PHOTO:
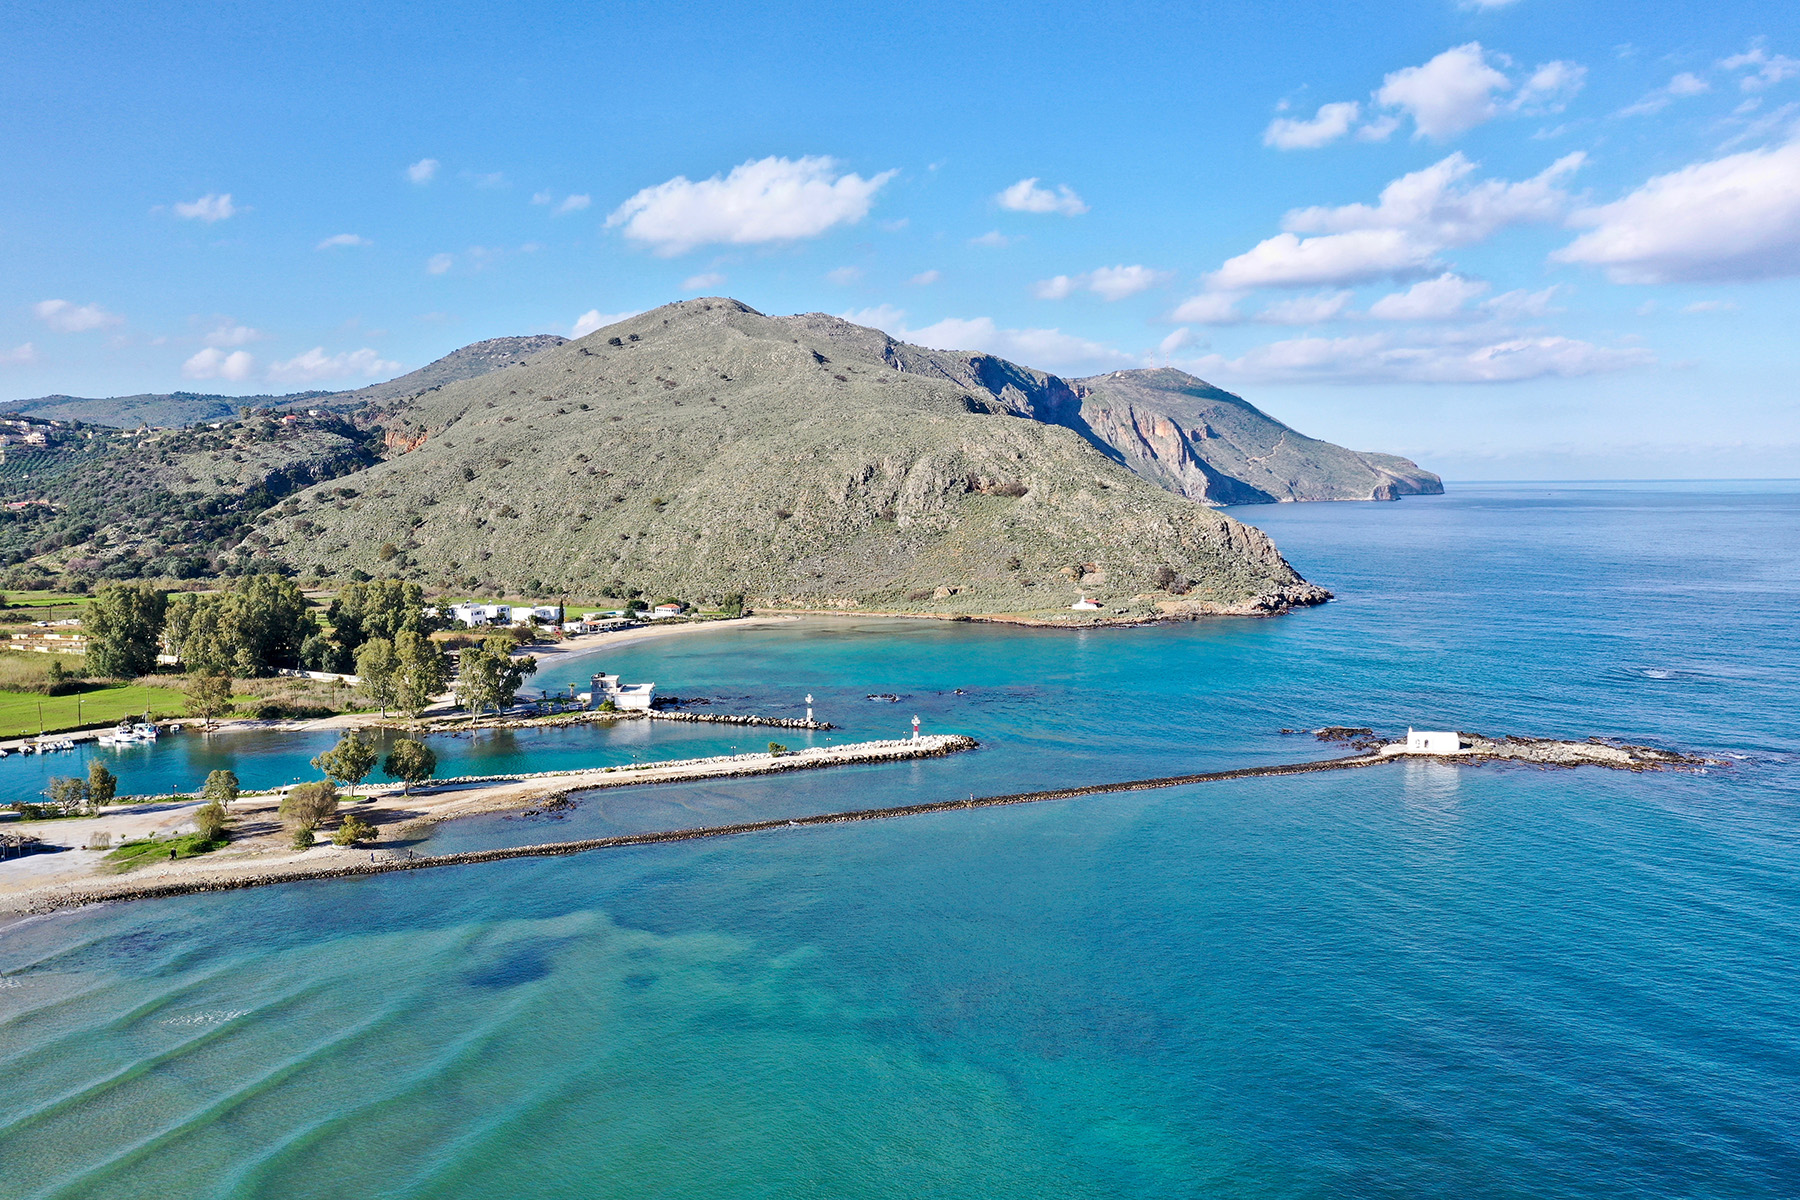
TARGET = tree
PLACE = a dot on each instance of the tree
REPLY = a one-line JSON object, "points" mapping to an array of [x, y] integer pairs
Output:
{"points": [[303, 837], [354, 829], [123, 624], [209, 695], [210, 820], [776, 749], [411, 762], [380, 608], [423, 672], [379, 669], [490, 677], [733, 605], [102, 784], [221, 788], [309, 804], [68, 793], [255, 627], [350, 761]]}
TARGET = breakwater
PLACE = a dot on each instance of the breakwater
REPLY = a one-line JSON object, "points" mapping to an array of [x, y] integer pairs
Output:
{"points": [[592, 715], [300, 871]]}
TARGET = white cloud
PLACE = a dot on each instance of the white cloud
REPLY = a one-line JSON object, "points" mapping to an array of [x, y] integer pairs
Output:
{"points": [[437, 264], [702, 281], [843, 276], [1681, 86], [1027, 196], [1520, 305], [1549, 88], [214, 206], [1707, 306], [594, 319], [423, 171], [1330, 123], [1286, 260], [573, 204], [212, 363], [992, 238], [1418, 216], [1484, 5], [315, 365], [230, 333], [884, 317], [343, 239], [1046, 348], [1108, 283], [1451, 94], [19, 356], [1437, 299], [543, 198], [1767, 69], [65, 317], [1732, 218], [1306, 310], [493, 179], [1384, 358], [1208, 308], [767, 200], [926, 278], [1174, 342]]}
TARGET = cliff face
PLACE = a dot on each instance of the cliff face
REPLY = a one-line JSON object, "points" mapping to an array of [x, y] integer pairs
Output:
{"points": [[705, 449], [1212, 446]]}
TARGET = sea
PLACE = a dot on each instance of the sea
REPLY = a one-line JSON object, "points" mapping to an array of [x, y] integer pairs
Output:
{"points": [[1416, 980]]}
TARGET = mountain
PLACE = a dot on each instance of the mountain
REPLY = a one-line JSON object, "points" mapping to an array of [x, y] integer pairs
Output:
{"points": [[1212, 446], [173, 409], [705, 449]]}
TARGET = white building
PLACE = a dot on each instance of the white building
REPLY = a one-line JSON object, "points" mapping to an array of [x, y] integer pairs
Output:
{"points": [[474, 615], [665, 610], [1421, 741], [1085, 605], [629, 696]]}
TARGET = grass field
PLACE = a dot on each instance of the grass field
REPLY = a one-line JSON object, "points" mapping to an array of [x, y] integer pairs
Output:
{"points": [[133, 854], [19, 712]]}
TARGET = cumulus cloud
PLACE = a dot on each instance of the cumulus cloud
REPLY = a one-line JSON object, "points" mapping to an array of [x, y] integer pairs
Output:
{"points": [[214, 206], [843, 276], [1680, 87], [1027, 196], [437, 264], [570, 204], [1385, 358], [19, 356], [992, 238], [1418, 215], [1108, 283], [65, 317], [1707, 306], [1733, 218], [1306, 310], [594, 319], [1762, 69], [767, 200], [926, 278], [884, 317], [1437, 299], [1049, 348], [343, 239], [1449, 95], [230, 333], [702, 281], [423, 171], [1521, 304], [1330, 123], [1208, 308], [315, 365], [213, 363]]}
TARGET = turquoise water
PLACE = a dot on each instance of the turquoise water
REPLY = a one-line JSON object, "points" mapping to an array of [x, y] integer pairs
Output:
{"points": [[1412, 981]]}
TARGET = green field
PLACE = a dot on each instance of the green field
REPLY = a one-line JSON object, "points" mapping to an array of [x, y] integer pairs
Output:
{"points": [[133, 854], [19, 711]]}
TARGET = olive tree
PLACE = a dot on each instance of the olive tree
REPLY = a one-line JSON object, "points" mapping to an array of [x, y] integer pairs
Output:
{"points": [[411, 762], [350, 761]]}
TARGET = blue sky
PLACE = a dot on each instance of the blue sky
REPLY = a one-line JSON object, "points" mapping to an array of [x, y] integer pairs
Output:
{"points": [[1511, 240]]}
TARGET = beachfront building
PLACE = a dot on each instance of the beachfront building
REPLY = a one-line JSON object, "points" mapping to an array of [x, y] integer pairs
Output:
{"points": [[475, 615], [628, 696], [665, 610], [1085, 605], [1422, 741]]}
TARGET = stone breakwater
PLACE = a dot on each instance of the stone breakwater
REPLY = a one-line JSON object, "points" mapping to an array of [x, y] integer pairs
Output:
{"points": [[587, 716]]}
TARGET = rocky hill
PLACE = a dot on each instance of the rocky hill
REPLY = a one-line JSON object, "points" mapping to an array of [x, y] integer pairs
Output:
{"points": [[1218, 448], [174, 409], [704, 449]]}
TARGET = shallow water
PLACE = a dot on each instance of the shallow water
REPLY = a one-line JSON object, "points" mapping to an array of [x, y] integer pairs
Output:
{"points": [[1417, 980]]}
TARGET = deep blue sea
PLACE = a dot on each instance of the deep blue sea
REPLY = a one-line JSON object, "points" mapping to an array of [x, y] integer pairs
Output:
{"points": [[1410, 981]]}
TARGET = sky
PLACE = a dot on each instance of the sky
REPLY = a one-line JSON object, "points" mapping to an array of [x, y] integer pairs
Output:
{"points": [[1510, 239]]}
